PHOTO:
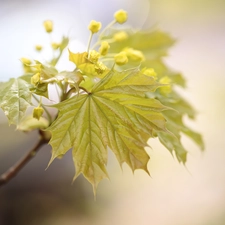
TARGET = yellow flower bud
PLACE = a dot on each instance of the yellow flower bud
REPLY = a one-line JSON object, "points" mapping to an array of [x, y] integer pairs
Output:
{"points": [[134, 55], [94, 26], [48, 25], [120, 36], [35, 79], [26, 61], [150, 72], [121, 58], [55, 45], [38, 112], [94, 56], [120, 16], [100, 67], [166, 89], [104, 48], [38, 47]]}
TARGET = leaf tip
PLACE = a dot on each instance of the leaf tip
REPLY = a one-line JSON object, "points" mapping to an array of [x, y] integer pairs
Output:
{"points": [[75, 177], [50, 161]]}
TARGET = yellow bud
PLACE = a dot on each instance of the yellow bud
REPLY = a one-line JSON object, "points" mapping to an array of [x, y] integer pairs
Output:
{"points": [[120, 16], [104, 48], [48, 25], [55, 45], [38, 47], [94, 56], [166, 89], [150, 72], [121, 58], [94, 26], [134, 55], [120, 36], [165, 80], [35, 79], [38, 112], [26, 61], [37, 67], [100, 67]]}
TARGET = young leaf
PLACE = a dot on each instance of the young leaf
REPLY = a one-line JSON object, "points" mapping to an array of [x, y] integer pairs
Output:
{"points": [[162, 70], [29, 123], [40, 89], [64, 43], [78, 58], [47, 72], [172, 141], [62, 46], [115, 114], [15, 97], [153, 43]]}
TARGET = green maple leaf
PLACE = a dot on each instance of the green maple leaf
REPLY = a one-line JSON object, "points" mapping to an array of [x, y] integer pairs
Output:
{"points": [[153, 43], [162, 70], [15, 97], [114, 114], [176, 125]]}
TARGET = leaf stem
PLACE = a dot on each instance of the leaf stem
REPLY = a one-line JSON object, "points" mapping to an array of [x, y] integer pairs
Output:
{"points": [[55, 60], [13, 170], [113, 66], [84, 89], [89, 42], [107, 59], [99, 42], [107, 27], [67, 95]]}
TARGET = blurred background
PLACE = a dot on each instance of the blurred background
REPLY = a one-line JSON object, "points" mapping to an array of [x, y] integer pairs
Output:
{"points": [[174, 194]]}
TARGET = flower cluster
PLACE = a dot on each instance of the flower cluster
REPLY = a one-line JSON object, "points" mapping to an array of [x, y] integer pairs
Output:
{"points": [[91, 65]]}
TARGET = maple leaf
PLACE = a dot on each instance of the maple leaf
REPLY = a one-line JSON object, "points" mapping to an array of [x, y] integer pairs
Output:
{"points": [[153, 43], [114, 114], [176, 125], [29, 123], [15, 97], [78, 58]]}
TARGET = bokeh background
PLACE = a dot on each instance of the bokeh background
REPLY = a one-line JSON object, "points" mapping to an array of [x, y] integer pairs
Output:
{"points": [[174, 194]]}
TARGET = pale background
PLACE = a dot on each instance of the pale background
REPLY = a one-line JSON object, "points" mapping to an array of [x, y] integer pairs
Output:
{"points": [[174, 194]]}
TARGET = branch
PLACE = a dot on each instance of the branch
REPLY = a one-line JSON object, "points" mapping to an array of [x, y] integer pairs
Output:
{"points": [[12, 171]]}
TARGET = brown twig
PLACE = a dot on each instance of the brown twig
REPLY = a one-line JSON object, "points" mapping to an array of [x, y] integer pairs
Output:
{"points": [[12, 171]]}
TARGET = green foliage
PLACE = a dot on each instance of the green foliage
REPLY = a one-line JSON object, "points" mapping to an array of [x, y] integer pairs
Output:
{"points": [[114, 114], [15, 97], [152, 43], [103, 105]]}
